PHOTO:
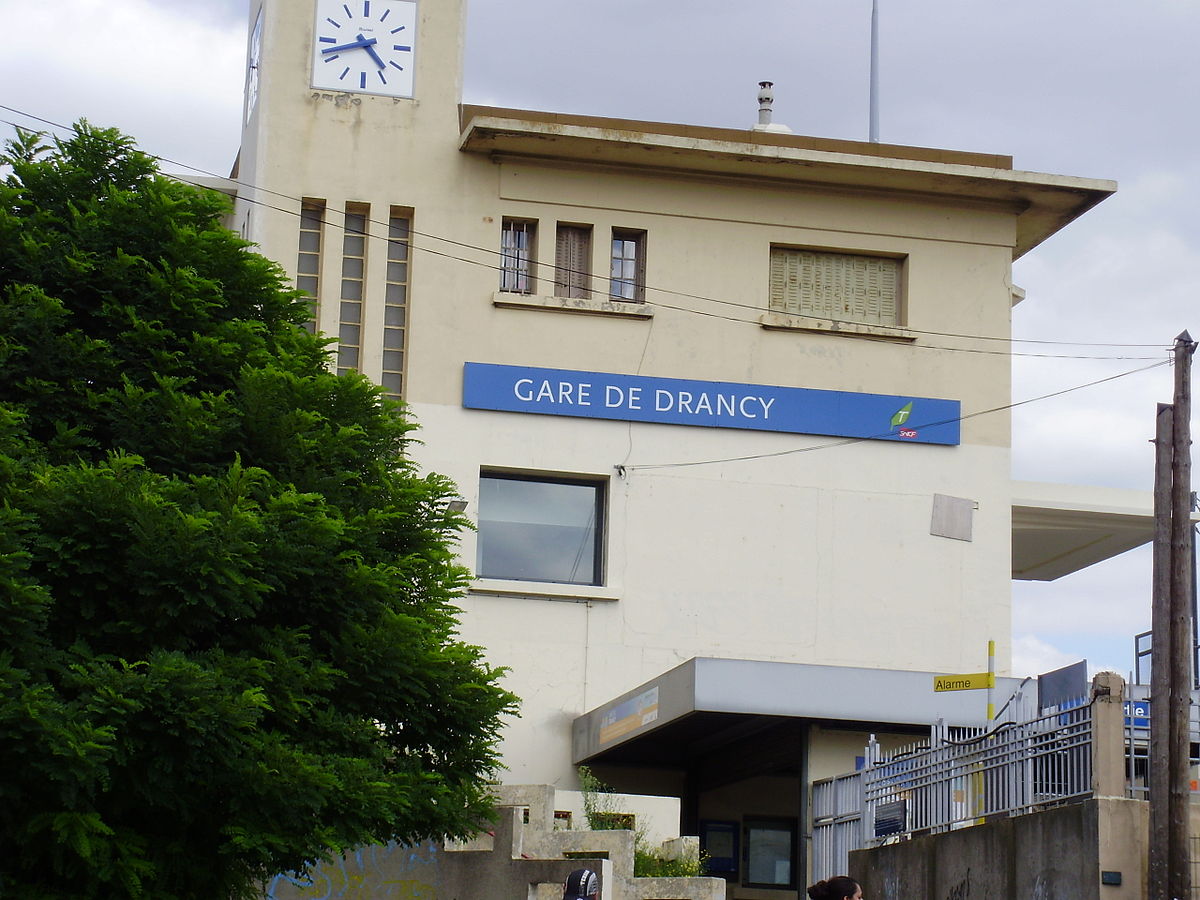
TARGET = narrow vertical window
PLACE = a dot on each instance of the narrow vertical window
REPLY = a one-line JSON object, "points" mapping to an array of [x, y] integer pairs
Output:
{"points": [[628, 275], [572, 261], [395, 301], [517, 244], [354, 264], [308, 260]]}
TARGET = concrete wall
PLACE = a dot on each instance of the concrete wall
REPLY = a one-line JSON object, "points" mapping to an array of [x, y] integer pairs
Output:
{"points": [[1058, 853], [519, 860], [656, 818]]}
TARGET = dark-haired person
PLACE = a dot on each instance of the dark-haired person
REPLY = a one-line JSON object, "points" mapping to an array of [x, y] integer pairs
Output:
{"points": [[839, 887], [582, 884]]}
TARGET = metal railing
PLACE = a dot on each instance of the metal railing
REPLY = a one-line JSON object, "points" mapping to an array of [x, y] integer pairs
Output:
{"points": [[1016, 768], [837, 805], [952, 781]]}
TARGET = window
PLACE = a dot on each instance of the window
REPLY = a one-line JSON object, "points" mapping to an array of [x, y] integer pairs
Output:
{"points": [[395, 302], [354, 264], [518, 240], [770, 860], [572, 261], [308, 259], [628, 275], [841, 286], [540, 529]]}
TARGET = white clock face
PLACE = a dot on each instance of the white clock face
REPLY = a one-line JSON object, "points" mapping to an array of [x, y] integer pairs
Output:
{"points": [[365, 46], [253, 65]]}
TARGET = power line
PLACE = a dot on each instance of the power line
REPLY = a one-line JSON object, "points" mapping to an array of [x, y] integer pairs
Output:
{"points": [[624, 468], [490, 251], [858, 440]]}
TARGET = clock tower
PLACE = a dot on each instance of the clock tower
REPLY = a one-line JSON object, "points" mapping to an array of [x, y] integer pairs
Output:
{"points": [[351, 124]]}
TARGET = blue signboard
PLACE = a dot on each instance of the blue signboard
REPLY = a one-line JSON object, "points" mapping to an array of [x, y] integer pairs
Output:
{"points": [[1137, 713], [713, 404]]}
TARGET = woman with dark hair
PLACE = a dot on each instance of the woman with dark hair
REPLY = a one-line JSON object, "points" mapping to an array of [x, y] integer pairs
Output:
{"points": [[839, 887]]}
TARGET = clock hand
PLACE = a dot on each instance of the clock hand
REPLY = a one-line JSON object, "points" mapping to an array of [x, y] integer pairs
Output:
{"points": [[366, 46], [354, 46]]}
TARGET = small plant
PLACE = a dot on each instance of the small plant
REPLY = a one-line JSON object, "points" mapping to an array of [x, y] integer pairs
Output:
{"points": [[599, 808], [598, 804], [648, 864]]}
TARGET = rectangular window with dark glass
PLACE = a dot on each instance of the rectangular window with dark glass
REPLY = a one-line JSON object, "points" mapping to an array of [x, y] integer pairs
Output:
{"points": [[518, 243], [770, 853], [627, 278], [535, 528]]}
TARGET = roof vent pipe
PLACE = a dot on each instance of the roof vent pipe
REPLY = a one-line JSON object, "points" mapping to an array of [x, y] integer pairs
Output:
{"points": [[766, 96]]}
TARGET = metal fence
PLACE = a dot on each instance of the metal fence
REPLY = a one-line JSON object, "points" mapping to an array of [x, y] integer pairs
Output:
{"points": [[1137, 749], [837, 805], [1194, 849], [952, 781], [1017, 768]]}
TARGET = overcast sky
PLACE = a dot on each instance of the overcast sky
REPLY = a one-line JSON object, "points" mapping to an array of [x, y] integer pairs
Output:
{"points": [[1096, 89]]}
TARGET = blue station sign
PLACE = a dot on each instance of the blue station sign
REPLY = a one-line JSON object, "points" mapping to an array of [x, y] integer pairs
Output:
{"points": [[1137, 713], [712, 404]]}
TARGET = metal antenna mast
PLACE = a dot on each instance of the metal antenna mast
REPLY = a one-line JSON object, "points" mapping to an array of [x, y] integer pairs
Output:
{"points": [[874, 125]]}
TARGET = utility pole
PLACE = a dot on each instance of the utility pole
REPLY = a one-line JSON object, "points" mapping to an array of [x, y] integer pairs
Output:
{"points": [[1171, 674]]}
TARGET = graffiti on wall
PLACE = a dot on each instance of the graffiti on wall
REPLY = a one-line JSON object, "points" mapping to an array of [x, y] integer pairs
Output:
{"points": [[385, 871], [962, 890]]}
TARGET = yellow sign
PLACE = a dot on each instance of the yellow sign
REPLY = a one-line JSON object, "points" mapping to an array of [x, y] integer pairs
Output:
{"points": [[976, 681]]}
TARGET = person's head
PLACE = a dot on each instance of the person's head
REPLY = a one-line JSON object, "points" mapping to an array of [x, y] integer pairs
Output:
{"points": [[582, 884], [839, 887]]}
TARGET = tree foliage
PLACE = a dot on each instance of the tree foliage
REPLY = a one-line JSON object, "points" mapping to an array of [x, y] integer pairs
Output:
{"points": [[227, 632]]}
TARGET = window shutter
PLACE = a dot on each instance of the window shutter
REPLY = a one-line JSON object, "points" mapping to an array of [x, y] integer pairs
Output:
{"points": [[572, 260], [840, 286]]}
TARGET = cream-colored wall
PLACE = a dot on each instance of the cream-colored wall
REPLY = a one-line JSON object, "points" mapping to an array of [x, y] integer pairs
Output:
{"points": [[656, 819], [819, 557], [834, 752]]}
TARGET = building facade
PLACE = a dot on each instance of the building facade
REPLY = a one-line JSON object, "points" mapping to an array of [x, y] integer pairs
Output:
{"points": [[728, 406]]}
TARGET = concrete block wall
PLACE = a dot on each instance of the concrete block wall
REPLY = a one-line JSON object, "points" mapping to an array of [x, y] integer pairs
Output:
{"points": [[524, 858], [1060, 852]]}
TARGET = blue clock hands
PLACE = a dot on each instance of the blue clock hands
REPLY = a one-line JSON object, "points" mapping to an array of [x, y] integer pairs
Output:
{"points": [[352, 46], [371, 51], [364, 43]]}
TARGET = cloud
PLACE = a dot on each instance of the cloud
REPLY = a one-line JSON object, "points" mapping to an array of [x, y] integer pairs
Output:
{"points": [[1121, 275], [1110, 598], [1033, 656], [171, 79]]}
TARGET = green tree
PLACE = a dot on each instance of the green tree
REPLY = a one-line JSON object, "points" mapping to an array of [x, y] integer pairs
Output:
{"points": [[227, 632]]}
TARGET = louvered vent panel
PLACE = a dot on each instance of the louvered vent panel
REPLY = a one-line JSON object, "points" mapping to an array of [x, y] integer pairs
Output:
{"points": [[838, 286]]}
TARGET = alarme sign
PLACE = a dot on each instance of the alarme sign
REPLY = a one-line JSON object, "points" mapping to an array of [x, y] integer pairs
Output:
{"points": [[712, 404]]}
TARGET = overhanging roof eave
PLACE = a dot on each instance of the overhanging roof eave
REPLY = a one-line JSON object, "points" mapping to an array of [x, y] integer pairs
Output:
{"points": [[1042, 204]]}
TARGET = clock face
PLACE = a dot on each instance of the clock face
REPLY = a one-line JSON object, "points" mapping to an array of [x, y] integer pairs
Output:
{"points": [[253, 65], [365, 46]]}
